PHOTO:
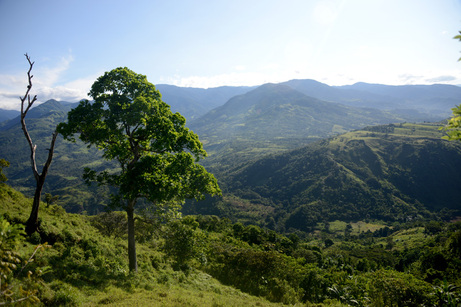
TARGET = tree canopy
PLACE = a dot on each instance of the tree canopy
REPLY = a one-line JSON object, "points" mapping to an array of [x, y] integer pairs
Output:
{"points": [[156, 152]]}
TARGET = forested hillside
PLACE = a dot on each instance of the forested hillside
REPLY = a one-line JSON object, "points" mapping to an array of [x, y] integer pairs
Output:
{"points": [[393, 173], [277, 117], [277, 111], [65, 178]]}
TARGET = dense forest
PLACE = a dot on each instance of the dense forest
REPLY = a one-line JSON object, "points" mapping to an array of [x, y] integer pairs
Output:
{"points": [[324, 203]]}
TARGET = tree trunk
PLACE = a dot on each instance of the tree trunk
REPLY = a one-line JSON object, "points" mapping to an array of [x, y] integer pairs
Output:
{"points": [[133, 263], [32, 222]]}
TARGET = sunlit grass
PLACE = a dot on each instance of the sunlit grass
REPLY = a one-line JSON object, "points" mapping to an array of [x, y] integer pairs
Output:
{"points": [[409, 238], [357, 227], [198, 290]]}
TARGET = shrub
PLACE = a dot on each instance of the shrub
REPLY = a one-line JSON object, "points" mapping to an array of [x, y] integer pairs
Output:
{"points": [[65, 295], [391, 288], [184, 242], [16, 285]]}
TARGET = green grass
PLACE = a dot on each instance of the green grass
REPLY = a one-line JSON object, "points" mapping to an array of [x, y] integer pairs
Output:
{"points": [[338, 227], [199, 290], [409, 238], [71, 277]]}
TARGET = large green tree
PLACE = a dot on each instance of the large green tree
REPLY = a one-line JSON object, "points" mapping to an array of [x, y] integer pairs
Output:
{"points": [[156, 152]]}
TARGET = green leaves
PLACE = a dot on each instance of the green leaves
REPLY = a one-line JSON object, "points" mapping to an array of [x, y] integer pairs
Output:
{"points": [[155, 150], [131, 124], [168, 176], [453, 126]]}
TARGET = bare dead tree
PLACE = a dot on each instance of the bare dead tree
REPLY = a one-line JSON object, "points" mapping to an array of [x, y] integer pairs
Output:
{"points": [[26, 104]]}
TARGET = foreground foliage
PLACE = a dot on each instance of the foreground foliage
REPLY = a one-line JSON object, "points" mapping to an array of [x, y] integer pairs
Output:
{"points": [[209, 261], [453, 126]]}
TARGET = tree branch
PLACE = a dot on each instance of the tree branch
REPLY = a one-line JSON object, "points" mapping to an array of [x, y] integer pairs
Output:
{"points": [[23, 116]]}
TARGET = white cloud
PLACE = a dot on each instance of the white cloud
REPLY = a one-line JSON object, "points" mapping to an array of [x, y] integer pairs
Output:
{"points": [[441, 79], [45, 84], [48, 76]]}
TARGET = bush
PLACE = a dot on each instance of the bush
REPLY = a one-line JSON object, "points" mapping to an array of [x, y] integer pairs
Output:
{"points": [[17, 284], [391, 288], [111, 224], [184, 242], [65, 295]]}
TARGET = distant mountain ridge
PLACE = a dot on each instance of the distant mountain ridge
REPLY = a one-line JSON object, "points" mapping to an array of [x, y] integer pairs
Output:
{"points": [[433, 101], [7, 114], [429, 102], [195, 102]]}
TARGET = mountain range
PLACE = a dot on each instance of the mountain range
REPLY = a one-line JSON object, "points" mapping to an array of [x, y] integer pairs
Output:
{"points": [[424, 102], [282, 152], [430, 101]]}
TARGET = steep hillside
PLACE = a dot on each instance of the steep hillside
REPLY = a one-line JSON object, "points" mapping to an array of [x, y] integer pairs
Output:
{"points": [[394, 173], [86, 262]]}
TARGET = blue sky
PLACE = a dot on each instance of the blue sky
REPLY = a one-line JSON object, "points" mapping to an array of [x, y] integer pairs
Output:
{"points": [[211, 43]]}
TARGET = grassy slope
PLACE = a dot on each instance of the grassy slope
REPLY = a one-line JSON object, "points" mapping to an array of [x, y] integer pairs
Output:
{"points": [[86, 267], [70, 278]]}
